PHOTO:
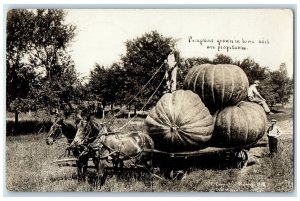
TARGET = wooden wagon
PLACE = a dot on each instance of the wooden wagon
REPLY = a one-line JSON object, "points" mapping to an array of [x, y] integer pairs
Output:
{"points": [[175, 165]]}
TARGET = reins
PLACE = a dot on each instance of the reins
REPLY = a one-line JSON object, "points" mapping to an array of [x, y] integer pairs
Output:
{"points": [[60, 135], [113, 151], [87, 137], [149, 99], [138, 93]]}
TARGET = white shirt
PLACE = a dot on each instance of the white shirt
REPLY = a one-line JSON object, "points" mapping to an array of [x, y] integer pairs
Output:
{"points": [[171, 60], [274, 131], [252, 91]]}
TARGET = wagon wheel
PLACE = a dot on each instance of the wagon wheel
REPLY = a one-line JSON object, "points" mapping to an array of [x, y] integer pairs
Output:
{"points": [[147, 163], [241, 158], [176, 174]]}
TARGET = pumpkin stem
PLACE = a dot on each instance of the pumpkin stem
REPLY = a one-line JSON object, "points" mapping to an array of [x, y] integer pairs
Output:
{"points": [[174, 128]]}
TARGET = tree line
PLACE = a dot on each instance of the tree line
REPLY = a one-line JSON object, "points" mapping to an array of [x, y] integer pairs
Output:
{"points": [[41, 73]]}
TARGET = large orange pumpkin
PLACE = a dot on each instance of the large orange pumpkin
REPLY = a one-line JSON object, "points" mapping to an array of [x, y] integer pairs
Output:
{"points": [[179, 121], [239, 125], [218, 85]]}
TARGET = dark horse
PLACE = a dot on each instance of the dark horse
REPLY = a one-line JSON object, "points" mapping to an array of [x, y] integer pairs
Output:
{"points": [[59, 129], [110, 146], [86, 134]]}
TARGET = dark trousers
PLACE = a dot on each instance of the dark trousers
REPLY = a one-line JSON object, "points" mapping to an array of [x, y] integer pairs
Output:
{"points": [[273, 144]]}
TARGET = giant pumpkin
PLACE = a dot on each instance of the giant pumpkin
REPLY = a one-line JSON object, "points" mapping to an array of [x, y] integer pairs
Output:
{"points": [[239, 125], [218, 85], [179, 122]]}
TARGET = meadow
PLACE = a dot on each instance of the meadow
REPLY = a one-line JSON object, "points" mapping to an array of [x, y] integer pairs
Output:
{"points": [[30, 167]]}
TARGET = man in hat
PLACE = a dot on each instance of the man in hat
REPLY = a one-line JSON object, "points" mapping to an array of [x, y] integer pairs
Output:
{"points": [[273, 134], [171, 63], [254, 96]]}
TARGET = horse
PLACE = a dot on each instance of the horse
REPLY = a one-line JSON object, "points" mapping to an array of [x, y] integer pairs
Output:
{"points": [[61, 128], [111, 146], [86, 134]]}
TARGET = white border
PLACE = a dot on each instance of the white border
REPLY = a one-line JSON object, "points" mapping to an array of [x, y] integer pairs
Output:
{"points": [[153, 3]]}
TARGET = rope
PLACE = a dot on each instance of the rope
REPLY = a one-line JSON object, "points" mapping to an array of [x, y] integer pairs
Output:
{"points": [[143, 106], [138, 92]]}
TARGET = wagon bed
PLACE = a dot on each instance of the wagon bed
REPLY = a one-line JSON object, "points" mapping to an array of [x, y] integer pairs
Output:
{"points": [[174, 165], [208, 150]]}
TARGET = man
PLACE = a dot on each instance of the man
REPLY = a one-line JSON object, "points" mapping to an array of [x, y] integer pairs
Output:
{"points": [[171, 63], [273, 133], [254, 96]]}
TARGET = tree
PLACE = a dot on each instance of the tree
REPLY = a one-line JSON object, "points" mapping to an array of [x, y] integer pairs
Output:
{"points": [[222, 59], [35, 44], [107, 83], [49, 40], [51, 36], [252, 69], [144, 56], [267, 90], [282, 85], [59, 90], [195, 61], [19, 30]]}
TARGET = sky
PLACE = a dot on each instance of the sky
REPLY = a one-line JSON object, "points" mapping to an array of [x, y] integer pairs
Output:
{"points": [[262, 34]]}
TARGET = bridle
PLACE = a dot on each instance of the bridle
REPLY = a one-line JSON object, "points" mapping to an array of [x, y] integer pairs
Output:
{"points": [[56, 136], [60, 135], [88, 137], [85, 141]]}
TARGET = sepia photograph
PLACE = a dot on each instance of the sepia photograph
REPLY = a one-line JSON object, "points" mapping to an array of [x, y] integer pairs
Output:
{"points": [[149, 100]]}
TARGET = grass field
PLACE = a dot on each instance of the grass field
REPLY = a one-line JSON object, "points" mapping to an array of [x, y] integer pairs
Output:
{"points": [[29, 168]]}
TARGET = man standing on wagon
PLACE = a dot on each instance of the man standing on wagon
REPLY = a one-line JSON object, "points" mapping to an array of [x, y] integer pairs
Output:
{"points": [[254, 96], [171, 63]]}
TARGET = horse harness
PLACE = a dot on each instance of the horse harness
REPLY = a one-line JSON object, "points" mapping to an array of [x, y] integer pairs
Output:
{"points": [[60, 135], [117, 152], [87, 137]]}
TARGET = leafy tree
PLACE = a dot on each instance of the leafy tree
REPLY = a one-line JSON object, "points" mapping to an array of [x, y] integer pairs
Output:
{"points": [[195, 61], [59, 90], [49, 40], [282, 85], [222, 59], [267, 90], [253, 70], [48, 53], [107, 83], [36, 57], [19, 25], [144, 55]]}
